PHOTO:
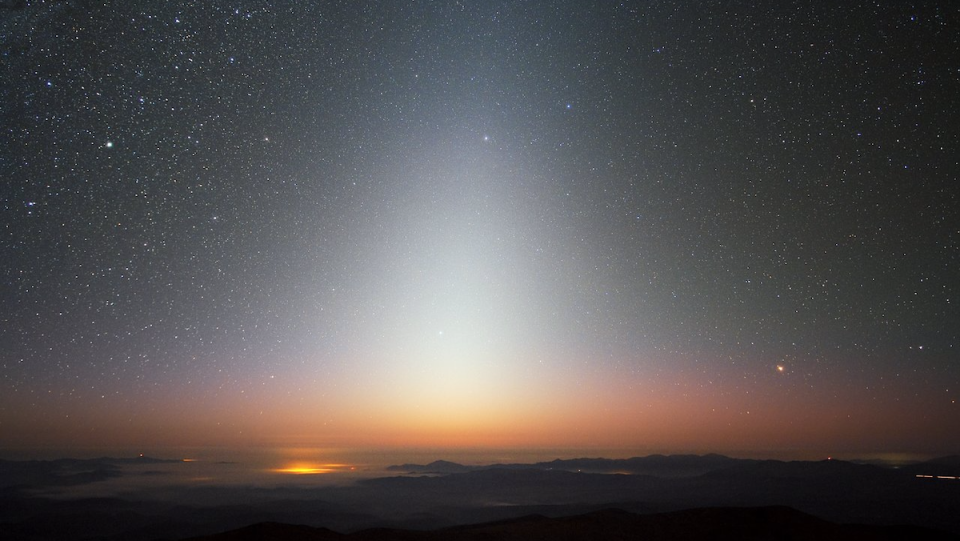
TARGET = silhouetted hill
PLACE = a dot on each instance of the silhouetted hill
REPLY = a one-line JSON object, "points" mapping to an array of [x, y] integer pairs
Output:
{"points": [[66, 471], [437, 466], [273, 531], [655, 465], [673, 466], [951, 461], [947, 465], [823, 469], [764, 523]]}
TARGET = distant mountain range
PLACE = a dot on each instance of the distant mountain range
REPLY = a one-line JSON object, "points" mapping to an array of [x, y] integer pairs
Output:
{"points": [[65, 472], [674, 466], [45, 500]]}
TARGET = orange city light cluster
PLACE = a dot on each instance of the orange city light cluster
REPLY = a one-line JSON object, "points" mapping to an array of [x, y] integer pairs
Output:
{"points": [[303, 468]]}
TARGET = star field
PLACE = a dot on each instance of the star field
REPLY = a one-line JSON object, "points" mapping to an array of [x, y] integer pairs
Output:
{"points": [[681, 225]]}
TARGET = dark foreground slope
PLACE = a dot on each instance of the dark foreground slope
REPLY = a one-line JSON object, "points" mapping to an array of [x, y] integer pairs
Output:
{"points": [[781, 523]]}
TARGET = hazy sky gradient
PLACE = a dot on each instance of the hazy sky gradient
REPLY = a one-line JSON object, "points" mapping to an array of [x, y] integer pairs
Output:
{"points": [[661, 225]]}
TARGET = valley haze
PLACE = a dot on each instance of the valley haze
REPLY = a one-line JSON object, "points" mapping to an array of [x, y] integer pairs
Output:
{"points": [[143, 498]]}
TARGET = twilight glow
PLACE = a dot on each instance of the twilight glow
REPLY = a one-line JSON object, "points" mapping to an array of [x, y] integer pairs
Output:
{"points": [[636, 226]]}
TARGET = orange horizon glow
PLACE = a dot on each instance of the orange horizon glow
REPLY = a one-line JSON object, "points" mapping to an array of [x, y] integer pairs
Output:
{"points": [[681, 412]]}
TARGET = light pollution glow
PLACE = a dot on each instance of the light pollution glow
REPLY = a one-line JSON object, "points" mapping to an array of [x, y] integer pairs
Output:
{"points": [[306, 468]]}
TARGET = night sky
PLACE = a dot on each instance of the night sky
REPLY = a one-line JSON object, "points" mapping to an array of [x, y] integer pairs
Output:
{"points": [[661, 226]]}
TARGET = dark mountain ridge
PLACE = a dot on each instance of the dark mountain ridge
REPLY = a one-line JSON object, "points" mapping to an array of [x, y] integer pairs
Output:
{"points": [[614, 525], [39, 502], [667, 465]]}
